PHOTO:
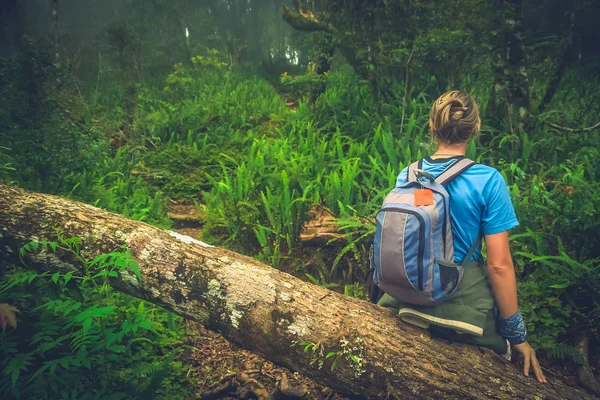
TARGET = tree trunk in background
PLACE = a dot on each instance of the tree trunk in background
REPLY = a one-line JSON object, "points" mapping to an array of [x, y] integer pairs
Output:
{"points": [[56, 34], [139, 51], [585, 375], [510, 91], [562, 65], [10, 25], [270, 312]]}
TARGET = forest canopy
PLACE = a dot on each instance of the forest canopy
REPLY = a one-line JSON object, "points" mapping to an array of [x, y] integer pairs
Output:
{"points": [[246, 123]]}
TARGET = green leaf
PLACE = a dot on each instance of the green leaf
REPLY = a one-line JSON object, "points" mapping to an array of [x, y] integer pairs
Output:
{"points": [[147, 325], [136, 270], [99, 274], [15, 376], [38, 372], [46, 346], [334, 363], [125, 327], [68, 277], [53, 246], [312, 279], [560, 285], [65, 363], [87, 324], [55, 277]]}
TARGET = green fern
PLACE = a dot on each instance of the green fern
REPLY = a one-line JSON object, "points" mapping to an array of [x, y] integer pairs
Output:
{"points": [[563, 351]]}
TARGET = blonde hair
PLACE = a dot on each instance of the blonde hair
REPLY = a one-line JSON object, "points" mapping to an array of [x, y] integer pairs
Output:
{"points": [[454, 118]]}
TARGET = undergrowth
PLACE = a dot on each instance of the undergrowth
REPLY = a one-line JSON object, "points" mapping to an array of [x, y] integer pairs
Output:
{"points": [[78, 339]]}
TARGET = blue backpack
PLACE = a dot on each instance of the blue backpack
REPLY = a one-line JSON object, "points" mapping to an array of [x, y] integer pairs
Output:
{"points": [[413, 252]]}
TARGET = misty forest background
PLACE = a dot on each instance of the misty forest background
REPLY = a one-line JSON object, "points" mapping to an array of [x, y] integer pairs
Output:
{"points": [[261, 117]]}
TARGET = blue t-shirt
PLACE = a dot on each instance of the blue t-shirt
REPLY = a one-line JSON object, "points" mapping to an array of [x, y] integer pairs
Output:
{"points": [[479, 202]]}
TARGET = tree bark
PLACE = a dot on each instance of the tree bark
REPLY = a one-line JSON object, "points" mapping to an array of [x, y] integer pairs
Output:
{"points": [[284, 319]]}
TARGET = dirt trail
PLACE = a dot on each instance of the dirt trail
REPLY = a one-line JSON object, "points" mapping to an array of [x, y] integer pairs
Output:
{"points": [[187, 219]]}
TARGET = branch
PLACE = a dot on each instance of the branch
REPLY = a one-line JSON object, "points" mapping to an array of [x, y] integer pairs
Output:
{"points": [[304, 21], [574, 130]]}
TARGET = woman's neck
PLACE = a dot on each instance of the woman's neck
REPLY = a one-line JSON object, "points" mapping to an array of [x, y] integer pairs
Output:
{"points": [[444, 151]]}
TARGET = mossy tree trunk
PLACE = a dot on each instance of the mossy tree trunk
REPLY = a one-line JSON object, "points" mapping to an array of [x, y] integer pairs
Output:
{"points": [[304, 18], [284, 319]]}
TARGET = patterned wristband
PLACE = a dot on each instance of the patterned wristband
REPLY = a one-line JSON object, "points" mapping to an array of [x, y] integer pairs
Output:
{"points": [[513, 328]]}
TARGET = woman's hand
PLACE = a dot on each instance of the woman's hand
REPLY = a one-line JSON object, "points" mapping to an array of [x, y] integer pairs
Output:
{"points": [[530, 360]]}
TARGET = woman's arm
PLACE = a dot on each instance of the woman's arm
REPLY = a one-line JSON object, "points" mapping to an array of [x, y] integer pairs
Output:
{"points": [[504, 285], [502, 273]]}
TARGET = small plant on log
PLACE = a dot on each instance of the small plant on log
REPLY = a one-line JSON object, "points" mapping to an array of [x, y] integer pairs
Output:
{"points": [[351, 351]]}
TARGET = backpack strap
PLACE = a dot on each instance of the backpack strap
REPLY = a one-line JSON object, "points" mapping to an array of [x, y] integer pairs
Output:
{"points": [[411, 170], [474, 246], [446, 177], [454, 170]]}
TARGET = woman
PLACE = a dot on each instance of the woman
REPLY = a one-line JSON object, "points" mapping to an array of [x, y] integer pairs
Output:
{"points": [[480, 202]]}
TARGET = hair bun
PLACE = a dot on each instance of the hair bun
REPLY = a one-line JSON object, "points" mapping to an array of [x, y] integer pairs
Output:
{"points": [[457, 113], [454, 118]]}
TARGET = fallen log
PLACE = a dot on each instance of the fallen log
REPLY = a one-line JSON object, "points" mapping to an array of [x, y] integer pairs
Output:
{"points": [[291, 322]]}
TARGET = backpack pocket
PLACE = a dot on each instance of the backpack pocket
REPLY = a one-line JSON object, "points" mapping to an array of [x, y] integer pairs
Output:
{"points": [[399, 254], [450, 276]]}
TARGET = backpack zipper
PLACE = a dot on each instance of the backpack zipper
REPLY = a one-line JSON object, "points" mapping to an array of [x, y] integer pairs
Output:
{"points": [[421, 238], [444, 219]]}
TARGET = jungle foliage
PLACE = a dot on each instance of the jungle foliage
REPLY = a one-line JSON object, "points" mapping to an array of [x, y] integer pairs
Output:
{"points": [[77, 338], [146, 114]]}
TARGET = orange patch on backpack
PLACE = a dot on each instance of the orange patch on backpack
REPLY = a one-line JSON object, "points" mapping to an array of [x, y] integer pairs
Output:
{"points": [[423, 197]]}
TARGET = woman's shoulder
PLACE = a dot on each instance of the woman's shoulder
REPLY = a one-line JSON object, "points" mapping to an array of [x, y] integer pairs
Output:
{"points": [[484, 172], [481, 181]]}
